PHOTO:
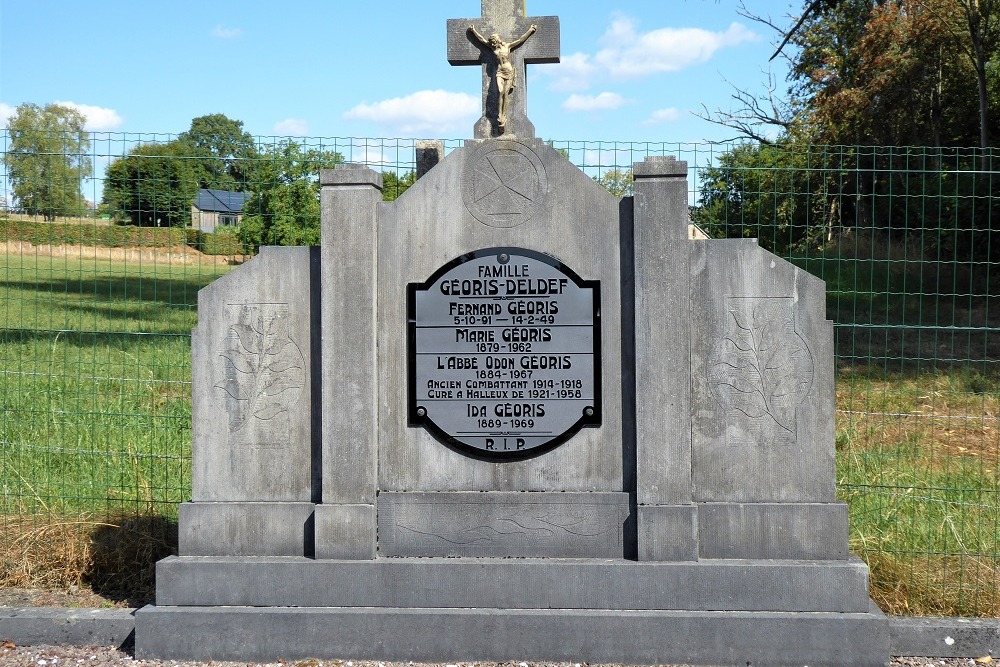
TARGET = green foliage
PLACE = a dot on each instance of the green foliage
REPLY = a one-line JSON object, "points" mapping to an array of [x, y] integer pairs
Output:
{"points": [[896, 72], [111, 236], [215, 243], [224, 152], [284, 206], [796, 197], [764, 192], [394, 185], [46, 159], [617, 181], [154, 185]]}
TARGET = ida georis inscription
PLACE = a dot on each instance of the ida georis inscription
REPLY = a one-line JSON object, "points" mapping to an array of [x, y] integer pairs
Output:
{"points": [[504, 352]]}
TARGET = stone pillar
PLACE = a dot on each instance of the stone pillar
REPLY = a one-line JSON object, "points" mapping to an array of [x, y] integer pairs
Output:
{"points": [[345, 521], [666, 515], [428, 154]]}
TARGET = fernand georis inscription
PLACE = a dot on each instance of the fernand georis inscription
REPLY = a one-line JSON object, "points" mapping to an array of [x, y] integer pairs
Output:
{"points": [[504, 352]]}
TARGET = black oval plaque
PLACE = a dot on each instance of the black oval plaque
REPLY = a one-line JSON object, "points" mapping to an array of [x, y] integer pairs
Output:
{"points": [[504, 352]]}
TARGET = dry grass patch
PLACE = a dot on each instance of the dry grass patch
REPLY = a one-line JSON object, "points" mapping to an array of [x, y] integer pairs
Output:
{"points": [[935, 585], [115, 556]]}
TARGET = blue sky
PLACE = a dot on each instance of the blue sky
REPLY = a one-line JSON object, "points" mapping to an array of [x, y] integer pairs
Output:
{"points": [[630, 71]]}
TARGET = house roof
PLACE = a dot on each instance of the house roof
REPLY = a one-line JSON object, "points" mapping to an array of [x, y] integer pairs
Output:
{"points": [[221, 201]]}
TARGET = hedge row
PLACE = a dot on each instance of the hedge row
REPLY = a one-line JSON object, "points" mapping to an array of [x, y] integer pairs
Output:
{"points": [[219, 243], [117, 236]]}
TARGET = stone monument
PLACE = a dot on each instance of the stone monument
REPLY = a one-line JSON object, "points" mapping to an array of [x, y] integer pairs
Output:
{"points": [[511, 416]]}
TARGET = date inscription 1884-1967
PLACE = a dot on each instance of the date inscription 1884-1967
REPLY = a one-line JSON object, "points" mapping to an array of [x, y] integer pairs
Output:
{"points": [[504, 352]]}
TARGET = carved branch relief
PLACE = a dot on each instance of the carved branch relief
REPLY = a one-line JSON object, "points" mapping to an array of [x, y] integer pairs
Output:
{"points": [[264, 371], [762, 368]]}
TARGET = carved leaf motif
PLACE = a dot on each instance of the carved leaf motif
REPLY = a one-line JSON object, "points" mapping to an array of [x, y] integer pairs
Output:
{"points": [[762, 367], [263, 368]]}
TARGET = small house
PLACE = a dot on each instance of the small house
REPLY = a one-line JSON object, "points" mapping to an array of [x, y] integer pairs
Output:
{"points": [[215, 210]]}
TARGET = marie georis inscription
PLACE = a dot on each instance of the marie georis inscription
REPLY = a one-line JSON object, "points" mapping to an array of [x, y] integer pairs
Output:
{"points": [[504, 352]]}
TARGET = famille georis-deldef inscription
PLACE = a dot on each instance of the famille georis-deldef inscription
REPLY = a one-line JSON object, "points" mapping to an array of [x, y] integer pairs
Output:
{"points": [[505, 352]]}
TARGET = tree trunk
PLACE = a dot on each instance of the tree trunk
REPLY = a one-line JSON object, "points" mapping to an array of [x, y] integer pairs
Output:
{"points": [[984, 105]]}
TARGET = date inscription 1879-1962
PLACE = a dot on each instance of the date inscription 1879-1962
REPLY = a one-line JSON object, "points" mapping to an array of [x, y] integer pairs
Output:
{"points": [[504, 352]]}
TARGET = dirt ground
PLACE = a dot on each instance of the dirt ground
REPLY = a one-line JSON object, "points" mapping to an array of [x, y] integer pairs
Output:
{"points": [[90, 656]]}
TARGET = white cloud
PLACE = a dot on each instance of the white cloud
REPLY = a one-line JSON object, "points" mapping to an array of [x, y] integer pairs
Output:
{"points": [[601, 102], [371, 154], [668, 115], [630, 54], [291, 127], [426, 113], [572, 73], [6, 111], [223, 32], [99, 119]]}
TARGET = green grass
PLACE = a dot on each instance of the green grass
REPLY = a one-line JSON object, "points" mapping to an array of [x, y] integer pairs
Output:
{"points": [[918, 457], [95, 384]]}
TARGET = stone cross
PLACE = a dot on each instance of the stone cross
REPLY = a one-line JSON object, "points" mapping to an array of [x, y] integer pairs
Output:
{"points": [[505, 18]]}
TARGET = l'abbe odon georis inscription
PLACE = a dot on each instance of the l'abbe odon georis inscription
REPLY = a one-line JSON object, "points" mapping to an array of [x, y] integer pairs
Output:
{"points": [[504, 352]]}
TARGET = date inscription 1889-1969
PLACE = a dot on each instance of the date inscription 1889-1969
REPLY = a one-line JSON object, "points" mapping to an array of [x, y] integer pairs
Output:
{"points": [[504, 352]]}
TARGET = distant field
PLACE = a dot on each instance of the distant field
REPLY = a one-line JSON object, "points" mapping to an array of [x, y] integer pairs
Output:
{"points": [[95, 372]]}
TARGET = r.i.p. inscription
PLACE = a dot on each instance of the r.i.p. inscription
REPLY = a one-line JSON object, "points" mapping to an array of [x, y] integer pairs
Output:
{"points": [[504, 352]]}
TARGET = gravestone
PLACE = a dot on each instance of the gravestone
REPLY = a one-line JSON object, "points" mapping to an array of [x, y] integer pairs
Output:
{"points": [[511, 416]]}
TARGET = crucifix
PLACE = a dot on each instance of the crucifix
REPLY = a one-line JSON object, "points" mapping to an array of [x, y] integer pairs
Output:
{"points": [[504, 41]]}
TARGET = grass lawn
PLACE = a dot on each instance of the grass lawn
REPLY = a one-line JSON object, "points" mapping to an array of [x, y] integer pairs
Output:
{"points": [[95, 383], [95, 430]]}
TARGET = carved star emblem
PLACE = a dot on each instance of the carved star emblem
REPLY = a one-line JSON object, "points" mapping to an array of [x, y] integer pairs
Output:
{"points": [[505, 184]]}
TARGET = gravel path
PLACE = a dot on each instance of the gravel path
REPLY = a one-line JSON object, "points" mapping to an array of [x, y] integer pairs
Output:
{"points": [[91, 656]]}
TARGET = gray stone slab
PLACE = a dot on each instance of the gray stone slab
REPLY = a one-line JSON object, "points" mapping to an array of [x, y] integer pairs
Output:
{"points": [[438, 635], [566, 215], [251, 381], [667, 532], [245, 529], [762, 378], [662, 334], [835, 586], [66, 627], [345, 531], [773, 530], [349, 198], [502, 524], [944, 637]]}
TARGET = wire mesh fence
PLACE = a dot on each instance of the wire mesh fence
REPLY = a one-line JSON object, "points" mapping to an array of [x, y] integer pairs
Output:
{"points": [[99, 293]]}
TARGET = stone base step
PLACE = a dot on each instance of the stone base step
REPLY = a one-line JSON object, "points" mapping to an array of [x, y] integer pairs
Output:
{"points": [[708, 585], [558, 635]]}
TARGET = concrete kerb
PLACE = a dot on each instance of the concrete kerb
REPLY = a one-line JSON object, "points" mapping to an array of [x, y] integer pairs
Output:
{"points": [[56, 626], [909, 636]]}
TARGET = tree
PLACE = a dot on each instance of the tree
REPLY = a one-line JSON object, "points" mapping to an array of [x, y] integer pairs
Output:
{"points": [[284, 207], [982, 39], [880, 72], [154, 185], [394, 185], [617, 181], [764, 192], [224, 152], [47, 158]]}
